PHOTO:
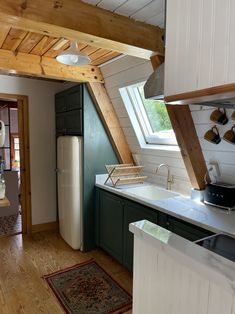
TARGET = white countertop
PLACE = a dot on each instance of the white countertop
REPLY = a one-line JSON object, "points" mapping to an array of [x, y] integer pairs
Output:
{"points": [[204, 216], [212, 266]]}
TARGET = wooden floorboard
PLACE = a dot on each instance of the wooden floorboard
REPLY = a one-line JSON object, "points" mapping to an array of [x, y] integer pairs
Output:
{"points": [[25, 259]]}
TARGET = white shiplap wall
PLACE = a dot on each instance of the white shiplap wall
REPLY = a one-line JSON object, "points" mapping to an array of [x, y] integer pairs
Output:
{"points": [[200, 45], [148, 11], [224, 152], [124, 72]]}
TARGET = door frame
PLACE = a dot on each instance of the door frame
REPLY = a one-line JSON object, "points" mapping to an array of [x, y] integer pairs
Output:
{"points": [[25, 181]]}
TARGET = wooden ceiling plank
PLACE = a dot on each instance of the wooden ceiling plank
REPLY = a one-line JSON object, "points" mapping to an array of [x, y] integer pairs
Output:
{"points": [[57, 48], [33, 65], [84, 23], [89, 50], [44, 45], [108, 56], [54, 53], [29, 42], [3, 33], [98, 54], [13, 39]]}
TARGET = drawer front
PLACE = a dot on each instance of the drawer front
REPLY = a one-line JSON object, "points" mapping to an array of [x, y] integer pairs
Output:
{"points": [[186, 230]]}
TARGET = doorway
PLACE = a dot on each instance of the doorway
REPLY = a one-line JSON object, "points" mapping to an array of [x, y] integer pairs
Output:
{"points": [[16, 216]]}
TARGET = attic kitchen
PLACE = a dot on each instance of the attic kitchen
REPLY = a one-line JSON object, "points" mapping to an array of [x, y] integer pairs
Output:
{"points": [[132, 210]]}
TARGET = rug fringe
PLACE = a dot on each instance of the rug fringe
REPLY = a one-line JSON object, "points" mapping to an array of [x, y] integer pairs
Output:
{"points": [[68, 268]]}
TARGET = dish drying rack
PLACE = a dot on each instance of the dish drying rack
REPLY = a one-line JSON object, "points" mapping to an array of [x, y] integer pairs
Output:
{"points": [[124, 174]]}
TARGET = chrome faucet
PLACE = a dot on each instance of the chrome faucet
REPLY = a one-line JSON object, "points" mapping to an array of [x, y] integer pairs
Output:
{"points": [[169, 177]]}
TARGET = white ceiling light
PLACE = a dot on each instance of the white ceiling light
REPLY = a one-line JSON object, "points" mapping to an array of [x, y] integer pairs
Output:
{"points": [[73, 56]]}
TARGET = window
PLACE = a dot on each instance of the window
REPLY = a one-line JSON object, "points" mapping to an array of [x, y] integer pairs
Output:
{"points": [[151, 115], [15, 152]]}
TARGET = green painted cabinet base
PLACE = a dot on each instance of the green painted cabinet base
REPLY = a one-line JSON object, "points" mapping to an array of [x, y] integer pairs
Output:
{"points": [[111, 225], [115, 213], [113, 216]]}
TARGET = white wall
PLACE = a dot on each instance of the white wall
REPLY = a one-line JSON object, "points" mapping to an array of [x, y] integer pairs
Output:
{"points": [[127, 71], [42, 141], [200, 45], [223, 153]]}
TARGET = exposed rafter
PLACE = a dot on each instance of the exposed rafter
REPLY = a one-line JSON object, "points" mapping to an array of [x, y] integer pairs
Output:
{"points": [[75, 20], [111, 122], [32, 65], [186, 135]]}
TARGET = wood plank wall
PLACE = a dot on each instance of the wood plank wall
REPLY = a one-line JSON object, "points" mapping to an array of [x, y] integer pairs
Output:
{"points": [[124, 72]]}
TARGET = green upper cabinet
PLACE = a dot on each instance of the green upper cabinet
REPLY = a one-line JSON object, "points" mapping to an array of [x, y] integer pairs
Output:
{"points": [[74, 98], [111, 225], [60, 105], [134, 212], [69, 115]]}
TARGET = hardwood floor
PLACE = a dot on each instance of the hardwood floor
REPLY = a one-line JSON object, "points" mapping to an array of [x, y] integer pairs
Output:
{"points": [[25, 259]]}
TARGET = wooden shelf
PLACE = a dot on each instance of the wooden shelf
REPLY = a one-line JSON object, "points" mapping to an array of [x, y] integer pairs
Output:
{"points": [[4, 202]]}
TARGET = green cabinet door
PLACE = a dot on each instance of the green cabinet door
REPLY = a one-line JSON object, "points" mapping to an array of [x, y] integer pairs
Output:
{"points": [[60, 124], [133, 212], [186, 230], [73, 122], [60, 105], [111, 224], [69, 112], [73, 98]]}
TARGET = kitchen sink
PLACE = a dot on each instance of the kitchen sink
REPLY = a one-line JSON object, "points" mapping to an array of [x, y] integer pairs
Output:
{"points": [[151, 192]]}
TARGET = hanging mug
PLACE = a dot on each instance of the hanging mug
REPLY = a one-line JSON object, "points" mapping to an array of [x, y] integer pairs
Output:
{"points": [[212, 135], [229, 136], [219, 116], [2, 133]]}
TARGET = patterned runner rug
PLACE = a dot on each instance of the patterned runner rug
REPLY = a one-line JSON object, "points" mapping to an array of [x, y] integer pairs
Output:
{"points": [[87, 289]]}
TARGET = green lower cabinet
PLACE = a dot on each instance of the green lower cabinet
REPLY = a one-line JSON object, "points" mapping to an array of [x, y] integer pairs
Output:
{"points": [[111, 225], [186, 230], [133, 212], [113, 216]]}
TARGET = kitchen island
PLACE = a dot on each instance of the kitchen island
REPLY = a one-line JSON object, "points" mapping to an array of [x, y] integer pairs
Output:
{"points": [[173, 275]]}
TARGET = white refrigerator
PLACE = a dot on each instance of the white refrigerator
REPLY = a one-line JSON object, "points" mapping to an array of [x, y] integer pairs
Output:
{"points": [[69, 189]]}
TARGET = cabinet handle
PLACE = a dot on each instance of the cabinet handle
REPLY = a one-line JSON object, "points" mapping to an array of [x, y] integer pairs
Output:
{"points": [[167, 223]]}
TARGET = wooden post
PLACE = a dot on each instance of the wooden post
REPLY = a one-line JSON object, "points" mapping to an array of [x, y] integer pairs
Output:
{"points": [[186, 135]]}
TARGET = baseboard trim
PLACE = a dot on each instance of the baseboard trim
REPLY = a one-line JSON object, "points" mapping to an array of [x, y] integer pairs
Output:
{"points": [[45, 227]]}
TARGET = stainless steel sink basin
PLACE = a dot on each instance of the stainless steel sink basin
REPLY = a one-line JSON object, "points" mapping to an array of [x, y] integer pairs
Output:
{"points": [[151, 192]]}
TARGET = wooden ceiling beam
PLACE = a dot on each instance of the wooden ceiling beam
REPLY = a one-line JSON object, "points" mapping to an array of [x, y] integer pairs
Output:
{"points": [[32, 65], [186, 135], [84, 23]]}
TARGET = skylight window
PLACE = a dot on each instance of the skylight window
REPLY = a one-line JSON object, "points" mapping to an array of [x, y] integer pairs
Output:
{"points": [[151, 116]]}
